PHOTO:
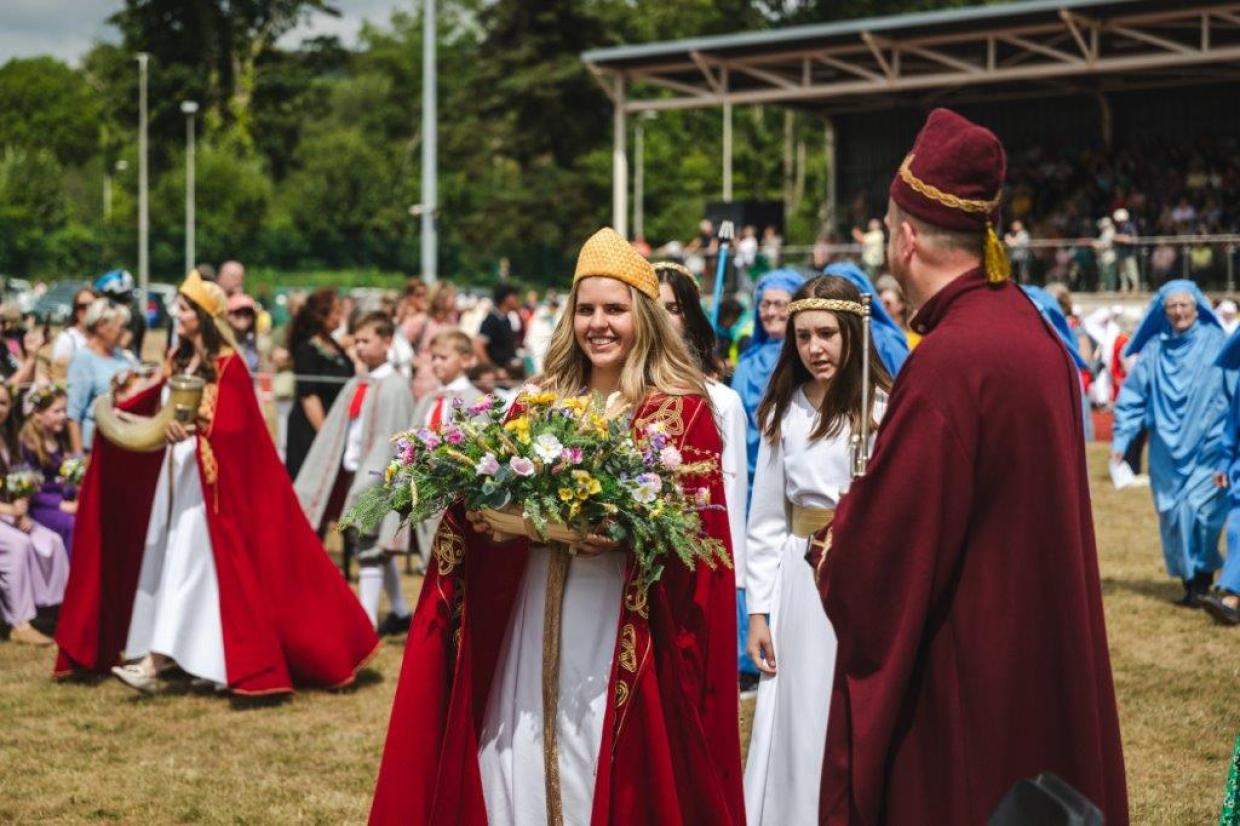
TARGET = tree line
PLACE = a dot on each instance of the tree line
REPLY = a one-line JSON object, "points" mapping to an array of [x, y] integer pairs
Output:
{"points": [[308, 156]]}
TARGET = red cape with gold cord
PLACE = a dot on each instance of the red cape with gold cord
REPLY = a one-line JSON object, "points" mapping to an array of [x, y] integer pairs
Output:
{"points": [[288, 616], [671, 743]]}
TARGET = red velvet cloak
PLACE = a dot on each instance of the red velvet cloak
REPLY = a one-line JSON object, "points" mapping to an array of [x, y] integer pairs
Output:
{"points": [[671, 745], [962, 582], [287, 614]]}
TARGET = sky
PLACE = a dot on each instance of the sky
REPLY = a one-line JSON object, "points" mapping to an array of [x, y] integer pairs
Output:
{"points": [[66, 29]]}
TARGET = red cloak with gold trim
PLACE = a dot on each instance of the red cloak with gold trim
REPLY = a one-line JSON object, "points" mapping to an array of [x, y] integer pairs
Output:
{"points": [[287, 614], [671, 743]]}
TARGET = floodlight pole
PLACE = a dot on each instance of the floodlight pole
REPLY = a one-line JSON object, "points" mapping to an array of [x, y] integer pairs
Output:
{"points": [[189, 107], [144, 217], [430, 148]]}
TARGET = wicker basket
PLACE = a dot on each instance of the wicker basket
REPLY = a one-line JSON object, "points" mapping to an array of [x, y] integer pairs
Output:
{"points": [[511, 520]]}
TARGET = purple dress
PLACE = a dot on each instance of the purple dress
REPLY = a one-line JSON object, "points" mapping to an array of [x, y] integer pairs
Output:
{"points": [[45, 504], [33, 568]]}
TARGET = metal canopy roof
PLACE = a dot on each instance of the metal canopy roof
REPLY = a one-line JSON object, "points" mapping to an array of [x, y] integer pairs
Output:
{"points": [[1007, 49]]}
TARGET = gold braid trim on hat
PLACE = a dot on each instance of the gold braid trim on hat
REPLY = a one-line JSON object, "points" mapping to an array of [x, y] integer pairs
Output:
{"points": [[998, 269], [945, 198], [832, 305]]}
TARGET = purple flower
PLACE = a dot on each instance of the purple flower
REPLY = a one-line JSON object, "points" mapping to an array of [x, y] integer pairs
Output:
{"points": [[521, 466], [454, 437], [429, 438], [488, 465]]}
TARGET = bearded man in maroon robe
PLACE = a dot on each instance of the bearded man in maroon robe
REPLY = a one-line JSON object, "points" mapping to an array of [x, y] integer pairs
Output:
{"points": [[961, 574]]}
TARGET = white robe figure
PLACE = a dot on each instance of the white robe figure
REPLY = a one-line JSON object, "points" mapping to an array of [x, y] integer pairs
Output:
{"points": [[510, 745], [176, 609], [783, 772], [730, 417]]}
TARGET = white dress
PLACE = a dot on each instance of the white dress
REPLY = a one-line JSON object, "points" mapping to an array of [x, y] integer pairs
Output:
{"points": [[510, 746], [176, 609], [730, 416], [783, 771]]}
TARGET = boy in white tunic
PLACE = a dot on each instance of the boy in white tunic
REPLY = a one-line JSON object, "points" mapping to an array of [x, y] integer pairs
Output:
{"points": [[808, 416]]}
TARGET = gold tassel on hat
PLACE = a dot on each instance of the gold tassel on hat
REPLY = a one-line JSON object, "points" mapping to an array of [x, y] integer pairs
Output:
{"points": [[998, 269]]}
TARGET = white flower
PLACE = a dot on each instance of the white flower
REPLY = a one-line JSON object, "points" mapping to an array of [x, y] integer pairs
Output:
{"points": [[548, 448], [670, 457]]}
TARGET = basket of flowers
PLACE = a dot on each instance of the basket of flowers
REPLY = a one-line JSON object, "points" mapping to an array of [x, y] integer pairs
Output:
{"points": [[555, 469]]}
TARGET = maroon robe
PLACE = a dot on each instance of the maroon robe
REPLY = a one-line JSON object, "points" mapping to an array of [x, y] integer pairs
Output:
{"points": [[962, 581], [287, 615], [671, 746]]}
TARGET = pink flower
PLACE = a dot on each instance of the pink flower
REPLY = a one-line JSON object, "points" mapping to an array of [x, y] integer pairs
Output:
{"points": [[521, 466], [573, 455], [670, 457], [488, 465], [454, 436]]}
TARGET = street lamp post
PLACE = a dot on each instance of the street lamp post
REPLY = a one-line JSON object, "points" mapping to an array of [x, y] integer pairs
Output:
{"points": [[144, 218], [189, 107], [639, 177], [121, 166], [430, 149]]}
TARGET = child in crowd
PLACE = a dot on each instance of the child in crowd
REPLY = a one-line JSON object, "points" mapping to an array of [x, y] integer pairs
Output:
{"points": [[811, 409], [45, 446], [452, 359], [349, 455], [33, 564]]}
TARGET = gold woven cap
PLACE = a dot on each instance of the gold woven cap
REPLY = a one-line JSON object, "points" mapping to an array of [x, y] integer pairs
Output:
{"points": [[205, 294], [608, 255]]}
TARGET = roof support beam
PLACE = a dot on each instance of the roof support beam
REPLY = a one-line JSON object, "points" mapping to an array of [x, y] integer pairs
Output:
{"points": [[1031, 46], [669, 83], [876, 50], [851, 68], [944, 59], [761, 74], [704, 67], [1152, 39], [1075, 23]]}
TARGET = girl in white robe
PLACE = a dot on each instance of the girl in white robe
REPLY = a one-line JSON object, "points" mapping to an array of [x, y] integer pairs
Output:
{"points": [[809, 415]]}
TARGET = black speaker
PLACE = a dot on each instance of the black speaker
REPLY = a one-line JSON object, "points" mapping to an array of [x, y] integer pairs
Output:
{"points": [[1046, 801]]}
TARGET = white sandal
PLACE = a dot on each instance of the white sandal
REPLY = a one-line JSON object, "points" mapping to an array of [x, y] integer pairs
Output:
{"points": [[137, 677]]}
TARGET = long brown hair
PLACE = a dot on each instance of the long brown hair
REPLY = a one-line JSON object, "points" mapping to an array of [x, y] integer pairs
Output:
{"points": [[842, 402], [659, 361], [212, 343], [311, 320]]}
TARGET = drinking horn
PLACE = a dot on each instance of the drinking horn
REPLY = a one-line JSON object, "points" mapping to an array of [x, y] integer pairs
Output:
{"points": [[146, 434]]}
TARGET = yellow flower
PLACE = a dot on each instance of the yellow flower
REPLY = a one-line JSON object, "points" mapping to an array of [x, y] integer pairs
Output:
{"points": [[519, 426], [388, 473], [538, 399], [576, 403], [574, 509], [594, 486], [566, 494]]}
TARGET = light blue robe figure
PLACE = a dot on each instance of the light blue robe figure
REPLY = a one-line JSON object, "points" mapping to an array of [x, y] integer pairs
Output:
{"points": [[752, 375], [1229, 465], [889, 339], [1048, 306], [1181, 398]]}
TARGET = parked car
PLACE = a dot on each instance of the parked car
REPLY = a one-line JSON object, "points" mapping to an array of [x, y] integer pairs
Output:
{"points": [[18, 292], [56, 305], [159, 301]]}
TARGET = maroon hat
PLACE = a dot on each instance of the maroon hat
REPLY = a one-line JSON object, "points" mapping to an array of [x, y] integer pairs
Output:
{"points": [[953, 176]]}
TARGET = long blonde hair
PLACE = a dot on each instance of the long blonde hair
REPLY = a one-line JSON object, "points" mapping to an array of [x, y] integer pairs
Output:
{"points": [[659, 361]]}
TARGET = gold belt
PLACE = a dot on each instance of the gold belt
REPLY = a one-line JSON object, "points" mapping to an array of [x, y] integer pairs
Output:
{"points": [[809, 521]]}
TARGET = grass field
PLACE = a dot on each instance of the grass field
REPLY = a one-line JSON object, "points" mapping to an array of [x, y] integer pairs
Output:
{"points": [[79, 752]]}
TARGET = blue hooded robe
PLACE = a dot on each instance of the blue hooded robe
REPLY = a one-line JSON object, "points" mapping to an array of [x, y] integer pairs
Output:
{"points": [[1048, 306], [1178, 394], [753, 373], [1229, 465], [889, 339]]}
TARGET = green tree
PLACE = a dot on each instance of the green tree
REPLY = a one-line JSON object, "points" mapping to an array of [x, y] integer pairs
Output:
{"points": [[32, 207], [47, 104]]}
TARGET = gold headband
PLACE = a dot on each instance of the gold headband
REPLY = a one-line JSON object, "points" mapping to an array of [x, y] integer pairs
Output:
{"points": [[680, 268], [831, 305]]}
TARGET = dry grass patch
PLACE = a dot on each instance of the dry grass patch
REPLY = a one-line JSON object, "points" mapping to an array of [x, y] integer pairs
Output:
{"points": [[82, 752]]}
